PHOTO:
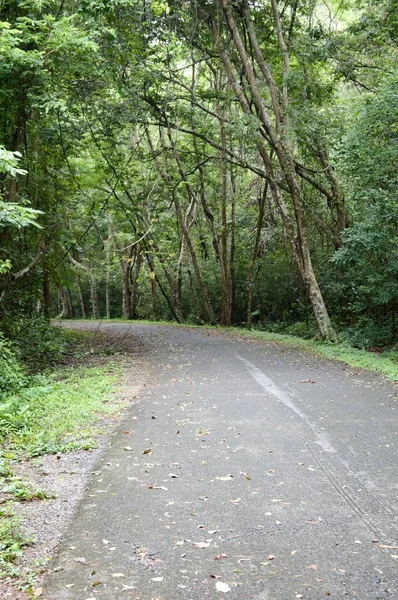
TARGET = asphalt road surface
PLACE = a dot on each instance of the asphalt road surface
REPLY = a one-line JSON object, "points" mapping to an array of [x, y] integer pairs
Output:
{"points": [[245, 470]]}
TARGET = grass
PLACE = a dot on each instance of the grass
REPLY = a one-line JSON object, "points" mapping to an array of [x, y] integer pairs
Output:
{"points": [[12, 540], [385, 363], [57, 412]]}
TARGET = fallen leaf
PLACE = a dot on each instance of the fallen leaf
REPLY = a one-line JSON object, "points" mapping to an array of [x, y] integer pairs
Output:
{"points": [[105, 541], [173, 475], [118, 575], [38, 592], [306, 381], [235, 501], [128, 587], [201, 545], [270, 557], [80, 559], [222, 587], [129, 448], [157, 487], [215, 576], [147, 451], [220, 556]]}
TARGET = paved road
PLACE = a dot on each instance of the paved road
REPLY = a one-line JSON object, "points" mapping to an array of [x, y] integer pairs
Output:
{"points": [[254, 472]]}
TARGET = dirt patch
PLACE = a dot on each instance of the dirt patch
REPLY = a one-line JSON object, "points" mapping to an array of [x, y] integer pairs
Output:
{"points": [[67, 475]]}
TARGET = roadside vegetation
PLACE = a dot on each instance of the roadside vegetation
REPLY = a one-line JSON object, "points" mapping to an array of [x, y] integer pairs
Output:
{"points": [[57, 390]]}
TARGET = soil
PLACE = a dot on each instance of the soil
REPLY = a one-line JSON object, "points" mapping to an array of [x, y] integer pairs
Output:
{"points": [[66, 476]]}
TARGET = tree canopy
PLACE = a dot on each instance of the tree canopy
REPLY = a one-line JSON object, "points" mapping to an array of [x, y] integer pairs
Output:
{"points": [[216, 161]]}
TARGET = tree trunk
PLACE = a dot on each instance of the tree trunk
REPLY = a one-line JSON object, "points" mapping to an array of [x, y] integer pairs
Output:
{"points": [[225, 306], [66, 306], [46, 293], [205, 298], [297, 232], [134, 291], [154, 300], [232, 269], [94, 298], [250, 284], [81, 297], [107, 281]]}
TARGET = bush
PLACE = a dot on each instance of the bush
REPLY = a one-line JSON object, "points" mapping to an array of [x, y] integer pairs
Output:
{"points": [[12, 375], [39, 344], [368, 334]]}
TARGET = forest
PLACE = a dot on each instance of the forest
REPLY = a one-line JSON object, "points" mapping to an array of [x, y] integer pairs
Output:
{"points": [[209, 162]]}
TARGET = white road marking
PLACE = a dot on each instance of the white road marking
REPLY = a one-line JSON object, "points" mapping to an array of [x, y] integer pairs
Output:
{"points": [[271, 388]]}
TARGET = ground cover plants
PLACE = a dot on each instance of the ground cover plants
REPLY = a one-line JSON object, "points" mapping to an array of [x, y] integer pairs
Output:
{"points": [[59, 410]]}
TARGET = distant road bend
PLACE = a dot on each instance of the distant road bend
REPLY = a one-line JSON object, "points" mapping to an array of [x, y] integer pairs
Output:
{"points": [[248, 471]]}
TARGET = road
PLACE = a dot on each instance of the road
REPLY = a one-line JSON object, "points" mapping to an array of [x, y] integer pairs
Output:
{"points": [[246, 470]]}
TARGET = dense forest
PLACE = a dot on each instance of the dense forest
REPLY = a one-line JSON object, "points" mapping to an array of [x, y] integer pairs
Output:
{"points": [[224, 161]]}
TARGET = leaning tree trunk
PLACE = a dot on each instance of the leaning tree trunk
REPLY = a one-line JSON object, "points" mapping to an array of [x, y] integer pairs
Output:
{"points": [[279, 140]]}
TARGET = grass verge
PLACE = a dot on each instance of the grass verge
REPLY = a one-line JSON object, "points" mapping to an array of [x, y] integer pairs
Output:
{"points": [[55, 412]]}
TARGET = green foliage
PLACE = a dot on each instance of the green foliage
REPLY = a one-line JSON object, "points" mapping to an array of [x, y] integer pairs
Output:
{"points": [[39, 344], [16, 488], [12, 539], [13, 375], [57, 415]]}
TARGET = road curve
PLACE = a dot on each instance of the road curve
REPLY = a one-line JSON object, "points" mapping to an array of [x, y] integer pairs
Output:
{"points": [[250, 471]]}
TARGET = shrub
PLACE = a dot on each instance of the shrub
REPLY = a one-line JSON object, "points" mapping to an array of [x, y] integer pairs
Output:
{"points": [[12, 375], [39, 343]]}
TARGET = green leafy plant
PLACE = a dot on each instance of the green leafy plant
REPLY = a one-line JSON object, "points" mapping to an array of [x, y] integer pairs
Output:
{"points": [[12, 539]]}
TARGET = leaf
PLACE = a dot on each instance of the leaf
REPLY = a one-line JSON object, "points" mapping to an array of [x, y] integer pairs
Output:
{"points": [[222, 587], [80, 559], [129, 448], [38, 592], [147, 451], [118, 575], [201, 545], [236, 501], [307, 381]]}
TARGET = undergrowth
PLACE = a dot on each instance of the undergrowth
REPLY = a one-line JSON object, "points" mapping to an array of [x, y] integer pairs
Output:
{"points": [[46, 410]]}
